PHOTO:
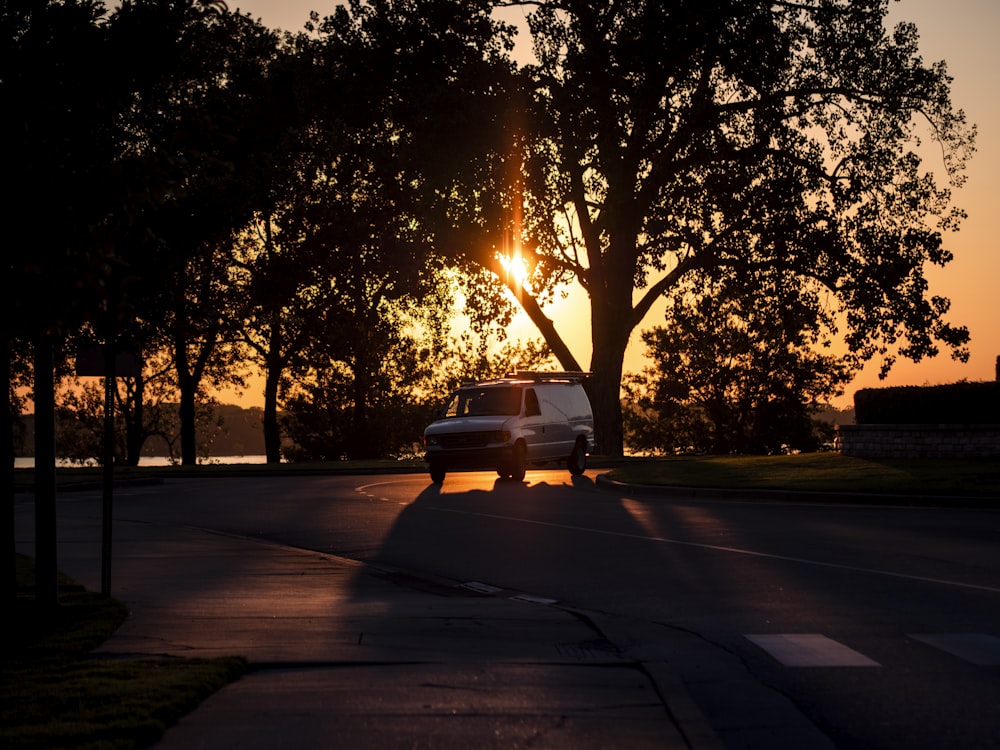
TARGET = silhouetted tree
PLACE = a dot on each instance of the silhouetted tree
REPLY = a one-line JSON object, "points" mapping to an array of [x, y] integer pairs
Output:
{"points": [[736, 369], [657, 138], [278, 290], [60, 147], [407, 390], [344, 269], [207, 131], [430, 80]]}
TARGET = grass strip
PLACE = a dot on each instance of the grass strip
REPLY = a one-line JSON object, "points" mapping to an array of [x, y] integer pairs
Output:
{"points": [[821, 472], [811, 472], [54, 693]]}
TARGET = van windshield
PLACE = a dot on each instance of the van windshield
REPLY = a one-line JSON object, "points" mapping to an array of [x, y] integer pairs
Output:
{"points": [[470, 402]]}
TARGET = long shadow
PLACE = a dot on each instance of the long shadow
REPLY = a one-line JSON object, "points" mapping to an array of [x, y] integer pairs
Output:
{"points": [[514, 535], [718, 569], [464, 612]]}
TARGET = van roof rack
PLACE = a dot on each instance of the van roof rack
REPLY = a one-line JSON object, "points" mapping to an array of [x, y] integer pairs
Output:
{"points": [[572, 376]]}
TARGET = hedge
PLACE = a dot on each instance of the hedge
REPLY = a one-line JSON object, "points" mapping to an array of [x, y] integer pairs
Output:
{"points": [[956, 403]]}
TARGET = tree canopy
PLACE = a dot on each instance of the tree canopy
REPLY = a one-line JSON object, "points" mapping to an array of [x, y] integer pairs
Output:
{"points": [[646, 145], [734, 370], [664, 139]]}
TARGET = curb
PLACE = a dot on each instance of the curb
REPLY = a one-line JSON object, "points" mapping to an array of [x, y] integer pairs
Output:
{"points": [[839, 498]]}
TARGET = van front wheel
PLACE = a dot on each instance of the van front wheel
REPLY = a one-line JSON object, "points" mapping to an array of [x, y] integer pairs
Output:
{"points": [[519, 462], [437, 474], [577, 461]]}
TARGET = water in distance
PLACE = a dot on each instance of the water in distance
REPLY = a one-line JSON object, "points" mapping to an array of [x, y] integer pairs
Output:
{"points": [[27, 462]]}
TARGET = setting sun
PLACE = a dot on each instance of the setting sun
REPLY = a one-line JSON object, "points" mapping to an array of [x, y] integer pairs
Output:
{"points": [[515, 269]]}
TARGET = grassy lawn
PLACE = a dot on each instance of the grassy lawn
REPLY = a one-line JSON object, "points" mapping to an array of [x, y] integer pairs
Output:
{"points": [[68, 476], [821, 472], [54, 694]]}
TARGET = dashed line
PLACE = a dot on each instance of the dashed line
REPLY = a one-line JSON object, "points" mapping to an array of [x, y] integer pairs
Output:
{"points": [[533, 599], [482, 588], [489, 590], [717, 548]]}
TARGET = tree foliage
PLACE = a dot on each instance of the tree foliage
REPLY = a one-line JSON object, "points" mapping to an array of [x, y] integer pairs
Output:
{"points": [[58, 155], [320, 416], [60, 149], [735, 370], [664, 139], [648, 147], [349, 272], [434, 77], [203, 132]]}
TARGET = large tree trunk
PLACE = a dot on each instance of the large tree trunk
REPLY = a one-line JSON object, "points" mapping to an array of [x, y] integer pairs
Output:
{"points": [[610, 334], [272, 434], [605, 398], [360, 424], [189, 429], [187, 384], [190, 371], [135, 427], [612, 320]]}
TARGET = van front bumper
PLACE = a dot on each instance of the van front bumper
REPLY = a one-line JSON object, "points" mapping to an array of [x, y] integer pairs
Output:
{"points": [[470, 458]]}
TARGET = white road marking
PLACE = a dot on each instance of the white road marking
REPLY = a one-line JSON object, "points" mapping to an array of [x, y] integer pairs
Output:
{"points": [[482, 588], [533, 599], [810, 650], [717, 548], [977, 648], [365, 487]]}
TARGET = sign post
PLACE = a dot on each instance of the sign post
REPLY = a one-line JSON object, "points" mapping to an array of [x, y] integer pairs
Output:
{"points": [[103, 361]]}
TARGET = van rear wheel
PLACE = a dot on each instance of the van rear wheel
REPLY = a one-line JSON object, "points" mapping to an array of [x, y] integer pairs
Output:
{"points": [[577, 461]]}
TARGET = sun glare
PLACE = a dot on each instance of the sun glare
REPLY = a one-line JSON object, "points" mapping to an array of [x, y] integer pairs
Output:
{"points": [[515, 268]]}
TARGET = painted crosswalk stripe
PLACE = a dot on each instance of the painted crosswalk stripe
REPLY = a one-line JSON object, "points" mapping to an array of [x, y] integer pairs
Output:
{"points": [[977, 648], [810, 650]]}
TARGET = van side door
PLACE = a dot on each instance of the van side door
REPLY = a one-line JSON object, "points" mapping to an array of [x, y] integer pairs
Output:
{"points": [[533, 425], [556, 437]]}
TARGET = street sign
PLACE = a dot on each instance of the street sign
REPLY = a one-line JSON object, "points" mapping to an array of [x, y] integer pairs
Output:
{"points": [[90, 363]]}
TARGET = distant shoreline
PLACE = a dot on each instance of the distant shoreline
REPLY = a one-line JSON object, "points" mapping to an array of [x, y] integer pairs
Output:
{"points": [[28, 462]]}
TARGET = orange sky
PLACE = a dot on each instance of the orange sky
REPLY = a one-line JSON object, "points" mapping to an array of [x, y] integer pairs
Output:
{"points": [[964, 33]]}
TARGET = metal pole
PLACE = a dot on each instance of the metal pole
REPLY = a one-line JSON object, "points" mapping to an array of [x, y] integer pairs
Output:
{"points": [[109, 464], [46, 562]]}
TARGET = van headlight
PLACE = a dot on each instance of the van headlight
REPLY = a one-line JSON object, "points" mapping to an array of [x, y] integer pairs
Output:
{"points": [[500, 436], [430, 440]]}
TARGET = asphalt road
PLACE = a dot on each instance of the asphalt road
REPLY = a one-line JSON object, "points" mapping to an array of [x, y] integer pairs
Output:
{"points": [[882, 624]]}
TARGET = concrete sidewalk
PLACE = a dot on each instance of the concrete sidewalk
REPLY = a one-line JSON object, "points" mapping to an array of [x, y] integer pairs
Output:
{"points": [[344, 655]]}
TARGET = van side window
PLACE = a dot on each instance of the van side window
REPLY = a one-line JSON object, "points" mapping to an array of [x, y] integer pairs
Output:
{"points": [[531, 408]]}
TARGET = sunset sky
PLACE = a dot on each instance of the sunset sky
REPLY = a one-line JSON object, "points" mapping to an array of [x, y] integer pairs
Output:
{"points": [[964, 33]]}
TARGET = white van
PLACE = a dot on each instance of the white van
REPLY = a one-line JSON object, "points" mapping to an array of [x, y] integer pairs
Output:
{"points": [[523, 418]]}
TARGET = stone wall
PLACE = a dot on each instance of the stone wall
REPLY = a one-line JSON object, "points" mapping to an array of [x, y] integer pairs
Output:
{"points": [[919, 440]]}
